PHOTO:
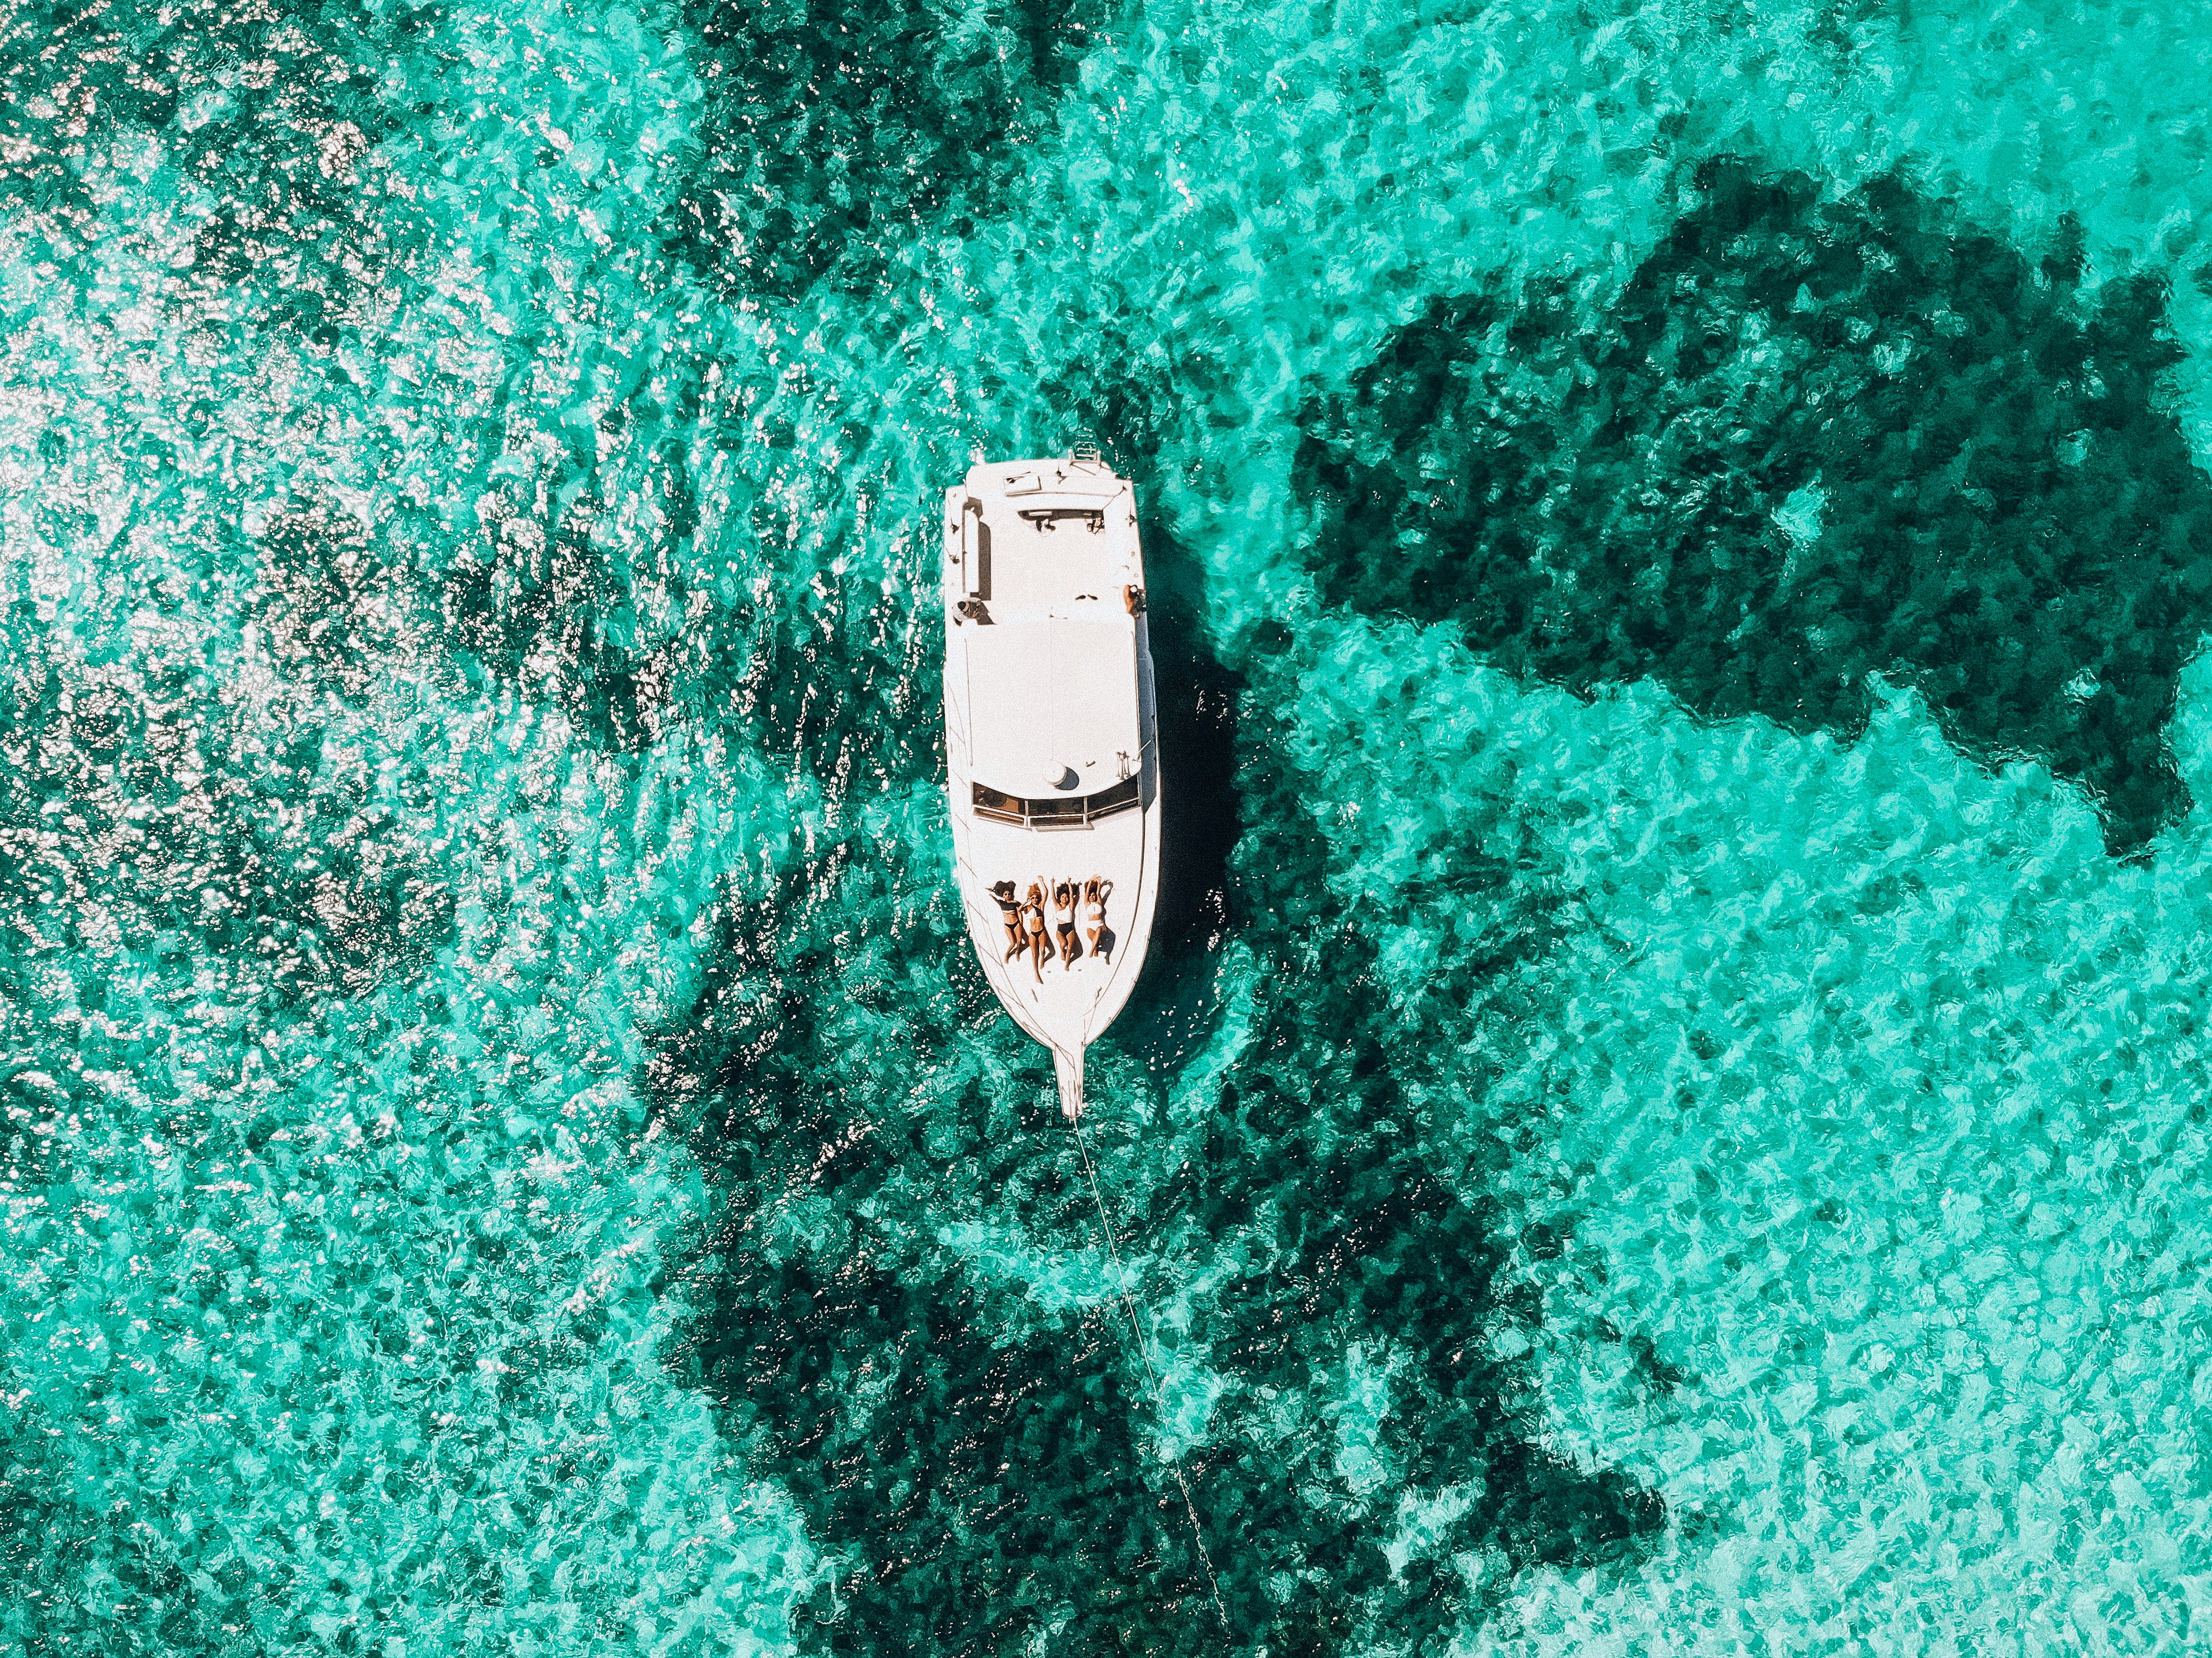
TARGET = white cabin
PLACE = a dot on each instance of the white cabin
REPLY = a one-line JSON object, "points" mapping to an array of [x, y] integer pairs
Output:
{"points": [[1051, 742]]}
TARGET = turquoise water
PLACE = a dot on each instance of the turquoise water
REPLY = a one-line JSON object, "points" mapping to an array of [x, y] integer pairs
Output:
{"points": [[1667, 1112]]}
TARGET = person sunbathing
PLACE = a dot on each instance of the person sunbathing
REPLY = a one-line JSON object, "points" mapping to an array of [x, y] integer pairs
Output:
{"points": [[1033, 925], [1010, 914], [1094, 918], [1063, 900]]}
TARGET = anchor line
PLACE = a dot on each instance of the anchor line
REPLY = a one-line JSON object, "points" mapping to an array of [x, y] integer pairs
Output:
{"points": [[1144, 1354]]}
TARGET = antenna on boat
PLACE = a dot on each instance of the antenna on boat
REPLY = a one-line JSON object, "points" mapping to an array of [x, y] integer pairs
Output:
{"points": [[1137, 1330]]}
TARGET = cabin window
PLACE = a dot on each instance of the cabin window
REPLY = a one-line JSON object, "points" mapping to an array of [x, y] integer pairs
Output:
{"points": [[1064, 812], [1049, 518]]}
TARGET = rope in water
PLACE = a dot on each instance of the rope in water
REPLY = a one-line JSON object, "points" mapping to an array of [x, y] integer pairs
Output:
{"points": [[1144, 1353]]}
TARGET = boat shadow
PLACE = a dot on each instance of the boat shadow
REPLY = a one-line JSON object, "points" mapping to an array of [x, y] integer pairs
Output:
{"points": [[1172, 1010]]}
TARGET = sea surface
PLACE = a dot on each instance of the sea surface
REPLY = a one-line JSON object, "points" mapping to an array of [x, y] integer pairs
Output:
{"points": [[1667, 1112]]}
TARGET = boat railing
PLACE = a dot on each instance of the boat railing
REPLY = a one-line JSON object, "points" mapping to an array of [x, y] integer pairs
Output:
{"points": [[1076, 811]]}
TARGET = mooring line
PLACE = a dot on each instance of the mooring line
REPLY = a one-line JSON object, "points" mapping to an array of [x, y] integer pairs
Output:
{"points": [[1144, 1354]]}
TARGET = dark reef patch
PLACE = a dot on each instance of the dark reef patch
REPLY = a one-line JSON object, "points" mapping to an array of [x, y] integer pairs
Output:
{"points": [[834, 674], [979, 1459], [1812, 439], [979, 1466], [273, 110], [834, 127], [554, 614], [210, 825], [1373, 1235], [49, 1533], [812, 663]]}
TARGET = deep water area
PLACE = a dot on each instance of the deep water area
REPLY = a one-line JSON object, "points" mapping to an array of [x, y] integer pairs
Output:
{"points": [[1666, 1112]]}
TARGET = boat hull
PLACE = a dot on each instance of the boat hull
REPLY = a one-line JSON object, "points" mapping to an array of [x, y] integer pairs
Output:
{"points": [[1051, 744]]}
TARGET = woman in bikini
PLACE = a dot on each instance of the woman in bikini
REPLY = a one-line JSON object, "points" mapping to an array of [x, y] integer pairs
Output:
{"points": [[1063, 900], [1094, 917], [1010, 914], [1033, 925]]}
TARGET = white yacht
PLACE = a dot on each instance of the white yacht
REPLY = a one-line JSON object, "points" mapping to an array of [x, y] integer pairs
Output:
{"points": [[1050, 744]]}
